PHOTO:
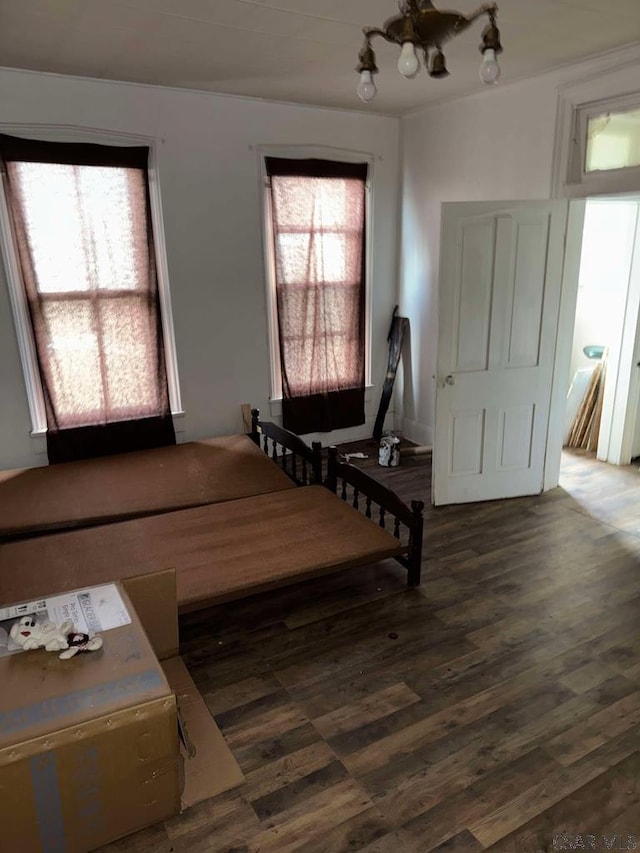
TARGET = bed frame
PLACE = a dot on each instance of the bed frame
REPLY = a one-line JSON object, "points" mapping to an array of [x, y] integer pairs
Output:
{"points": [[351, 483], [303, 464], [308, 527]]}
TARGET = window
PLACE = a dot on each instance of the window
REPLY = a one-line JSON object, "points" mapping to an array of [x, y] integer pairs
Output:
{"points": [[317, 247], [82, 234], [602, 153], [613, 141]]}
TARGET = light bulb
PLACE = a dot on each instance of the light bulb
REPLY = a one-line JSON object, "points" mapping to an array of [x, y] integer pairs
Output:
{"points": [[366, 87], [489, 70], [408, 64]]}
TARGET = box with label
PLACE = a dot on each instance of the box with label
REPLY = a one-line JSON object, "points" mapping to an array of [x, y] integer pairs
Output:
{"points": [[90, 747]]}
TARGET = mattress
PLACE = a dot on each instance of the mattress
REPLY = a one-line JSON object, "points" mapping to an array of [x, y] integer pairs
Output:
{"points": [[92, 491], [219, 551]]}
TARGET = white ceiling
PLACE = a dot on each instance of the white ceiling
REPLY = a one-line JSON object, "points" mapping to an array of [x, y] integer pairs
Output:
{"points": [[303, 51]]}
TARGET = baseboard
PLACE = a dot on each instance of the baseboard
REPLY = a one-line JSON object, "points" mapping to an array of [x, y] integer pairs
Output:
{"points": [[417, 432]]}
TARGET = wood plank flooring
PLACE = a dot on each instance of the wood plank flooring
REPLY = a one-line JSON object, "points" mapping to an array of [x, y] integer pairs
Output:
{"points": [[497, 707]]}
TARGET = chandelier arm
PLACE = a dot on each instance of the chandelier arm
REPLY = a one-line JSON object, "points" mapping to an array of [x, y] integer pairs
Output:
{"points": [[490, 9], [369, 32]]}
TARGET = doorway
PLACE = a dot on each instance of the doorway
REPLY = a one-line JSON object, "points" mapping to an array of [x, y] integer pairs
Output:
{"points": [[509, 274], [602, 414], [508, 281]]}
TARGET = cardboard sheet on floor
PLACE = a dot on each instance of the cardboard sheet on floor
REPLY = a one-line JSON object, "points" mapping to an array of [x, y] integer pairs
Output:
{"points": [[212, 769]]}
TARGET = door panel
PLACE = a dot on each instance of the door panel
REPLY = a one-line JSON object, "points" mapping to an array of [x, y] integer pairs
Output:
{"points": [[527, 288], [515, 434], [466, 431], [500, 281], [473, 314]]}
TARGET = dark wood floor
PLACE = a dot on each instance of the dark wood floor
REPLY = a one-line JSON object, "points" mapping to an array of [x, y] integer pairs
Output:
{"points": [[494, 708]]}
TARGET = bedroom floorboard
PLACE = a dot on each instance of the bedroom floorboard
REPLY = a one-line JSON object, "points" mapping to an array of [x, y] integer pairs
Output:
{"points": [[494, 708]]}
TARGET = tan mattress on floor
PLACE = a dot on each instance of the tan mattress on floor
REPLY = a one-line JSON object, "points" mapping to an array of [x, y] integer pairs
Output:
{"points": [[221, 551], [77, 494]]}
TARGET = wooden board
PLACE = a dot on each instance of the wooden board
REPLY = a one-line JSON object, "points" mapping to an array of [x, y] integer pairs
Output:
{"points": [[397, 332], [78, 494], [220, 551]]}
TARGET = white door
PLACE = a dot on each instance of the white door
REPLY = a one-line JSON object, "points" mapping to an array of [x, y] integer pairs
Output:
{"points": [[501, 273]]}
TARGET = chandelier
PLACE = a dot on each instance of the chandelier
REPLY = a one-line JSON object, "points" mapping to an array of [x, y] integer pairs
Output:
{"points": [[420, 26]]}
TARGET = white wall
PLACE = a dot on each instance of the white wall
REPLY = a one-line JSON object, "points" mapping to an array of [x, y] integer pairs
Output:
{"points": [[208, 170], [496, 145], [607, 251], [605, 315]]}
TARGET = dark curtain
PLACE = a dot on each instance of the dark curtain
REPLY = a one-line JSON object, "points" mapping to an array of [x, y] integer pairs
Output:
{"points": [[82, 226], [318, 214]]}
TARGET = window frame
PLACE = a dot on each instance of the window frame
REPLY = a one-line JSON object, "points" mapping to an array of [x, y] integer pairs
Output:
{"points": [[607, 82], [18, 296], [583, 114], [302, 152]]}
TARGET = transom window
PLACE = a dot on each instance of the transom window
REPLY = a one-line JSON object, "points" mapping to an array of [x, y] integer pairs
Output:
{"points": [[603, 147], [613, 141]]}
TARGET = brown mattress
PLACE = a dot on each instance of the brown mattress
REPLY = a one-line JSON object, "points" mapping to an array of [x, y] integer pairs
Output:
{"points": [[78, 494], [220, 551]]}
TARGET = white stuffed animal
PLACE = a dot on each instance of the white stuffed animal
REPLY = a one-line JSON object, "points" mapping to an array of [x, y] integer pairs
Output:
{"points": [[31, 634]]}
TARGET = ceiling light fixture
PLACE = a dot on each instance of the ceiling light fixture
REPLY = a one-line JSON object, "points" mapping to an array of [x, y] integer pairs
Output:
{"points": [[420, 26]]}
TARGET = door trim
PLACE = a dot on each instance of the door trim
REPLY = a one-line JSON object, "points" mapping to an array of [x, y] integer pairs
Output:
{"points": [[564, 342]]}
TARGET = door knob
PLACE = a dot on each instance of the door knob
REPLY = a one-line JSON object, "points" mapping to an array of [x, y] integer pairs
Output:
{"points": [[449, 380]]}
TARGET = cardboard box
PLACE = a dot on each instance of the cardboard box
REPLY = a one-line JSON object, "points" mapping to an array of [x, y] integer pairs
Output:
{"points": [[90, 748], [210, 768]]}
